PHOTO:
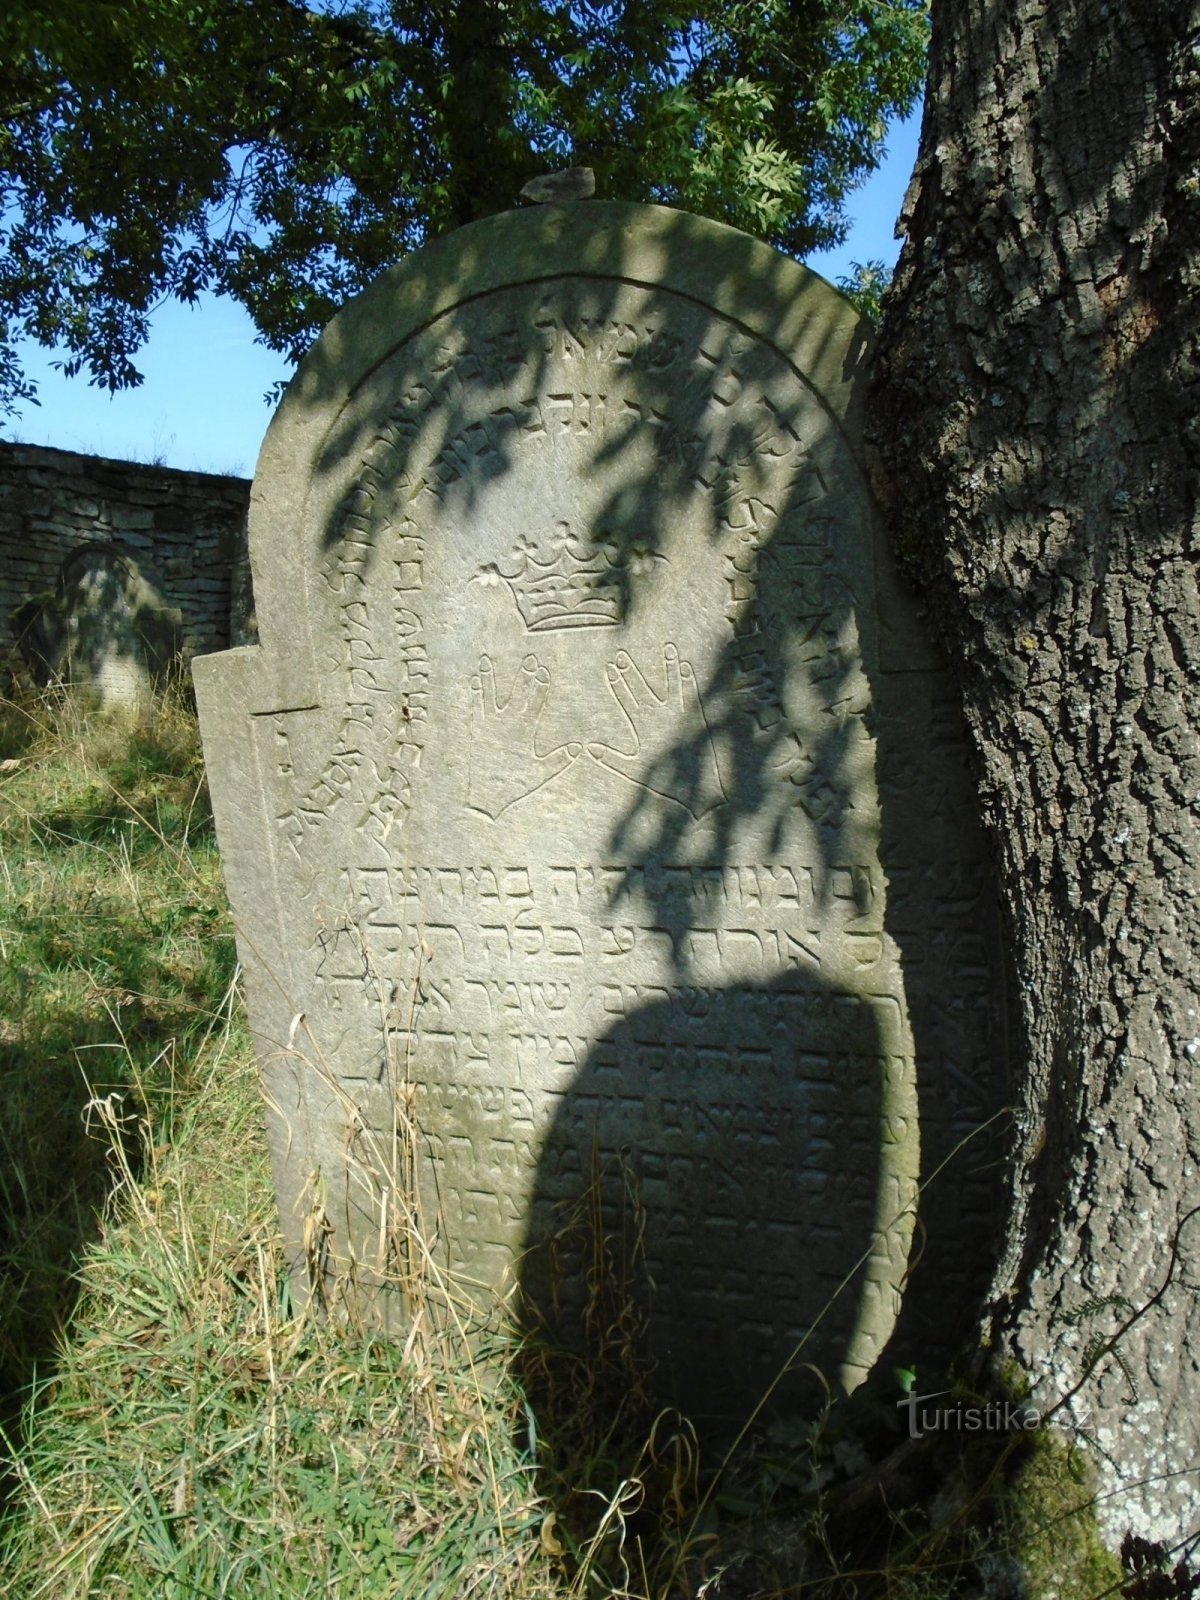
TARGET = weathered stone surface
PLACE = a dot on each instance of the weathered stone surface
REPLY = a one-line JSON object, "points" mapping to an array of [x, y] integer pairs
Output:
{"points": [[106, 629], [592, 791]]}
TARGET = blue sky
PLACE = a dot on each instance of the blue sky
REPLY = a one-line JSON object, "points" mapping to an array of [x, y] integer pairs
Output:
{"points": [[201, 405]]}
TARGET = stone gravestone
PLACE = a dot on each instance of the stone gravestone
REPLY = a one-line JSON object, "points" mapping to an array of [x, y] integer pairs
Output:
{"points": [[592, 798], [106, 629]]}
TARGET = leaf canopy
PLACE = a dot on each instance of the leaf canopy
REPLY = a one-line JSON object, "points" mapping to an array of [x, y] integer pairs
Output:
{"points": [[284, 155]]}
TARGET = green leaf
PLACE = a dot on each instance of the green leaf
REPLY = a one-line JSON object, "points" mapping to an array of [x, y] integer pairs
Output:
{"points": [[283, 155]]}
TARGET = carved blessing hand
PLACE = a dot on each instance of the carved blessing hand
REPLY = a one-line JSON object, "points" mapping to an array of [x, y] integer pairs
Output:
{"points": [[672, 750], [505, 764]]}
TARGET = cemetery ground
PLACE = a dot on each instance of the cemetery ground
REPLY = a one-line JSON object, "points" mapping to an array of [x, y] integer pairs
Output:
{"points": [[173, 1427]]}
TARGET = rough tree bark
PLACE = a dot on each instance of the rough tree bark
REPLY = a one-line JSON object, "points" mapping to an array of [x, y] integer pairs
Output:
{"points": [[1036, 418]]}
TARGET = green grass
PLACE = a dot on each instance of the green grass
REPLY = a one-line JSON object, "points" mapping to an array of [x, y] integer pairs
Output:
{"points": [[176, 1429], [183, 1432], [115, 958], [198, 1439]]}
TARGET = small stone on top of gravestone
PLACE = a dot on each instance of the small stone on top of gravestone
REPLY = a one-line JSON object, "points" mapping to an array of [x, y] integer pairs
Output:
{"points": [[572, 183], [593, 798]]}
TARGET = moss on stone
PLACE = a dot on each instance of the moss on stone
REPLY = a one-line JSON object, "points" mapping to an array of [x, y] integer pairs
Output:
{"points": [[1047, 1519]]}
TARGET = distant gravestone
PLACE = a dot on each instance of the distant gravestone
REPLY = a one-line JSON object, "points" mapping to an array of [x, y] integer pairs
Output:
{"points": [[593, 798], [106, 629]]}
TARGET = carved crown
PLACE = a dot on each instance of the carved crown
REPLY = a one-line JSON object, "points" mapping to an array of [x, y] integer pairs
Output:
{"points": [[572, 584]]}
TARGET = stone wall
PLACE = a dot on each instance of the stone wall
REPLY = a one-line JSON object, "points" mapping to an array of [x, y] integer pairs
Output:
{"points": [[184, 530]]}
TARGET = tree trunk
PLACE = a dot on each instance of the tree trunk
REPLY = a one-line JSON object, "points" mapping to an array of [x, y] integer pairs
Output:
{"points": [[1036, 422], [487, 161]]}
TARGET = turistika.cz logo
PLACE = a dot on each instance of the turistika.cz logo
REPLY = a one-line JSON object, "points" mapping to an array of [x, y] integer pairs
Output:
{"points": [[963, 1416]]}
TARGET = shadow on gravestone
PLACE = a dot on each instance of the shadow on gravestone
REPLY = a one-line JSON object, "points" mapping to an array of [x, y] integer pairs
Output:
{"points": [[592, 787], [712, 1195], [684, 1241], [107, 629], [39, 629]]}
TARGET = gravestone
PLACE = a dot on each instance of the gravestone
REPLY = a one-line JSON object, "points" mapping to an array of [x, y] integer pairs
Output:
{"points": [[593, 801], [106, 629]]}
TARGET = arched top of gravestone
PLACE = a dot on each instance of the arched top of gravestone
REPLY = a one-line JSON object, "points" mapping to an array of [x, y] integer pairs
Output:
{"points": [[319, 426]]}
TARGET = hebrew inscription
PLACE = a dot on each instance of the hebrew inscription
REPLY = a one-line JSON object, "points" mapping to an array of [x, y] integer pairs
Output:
{"points": [[561, 819]]}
